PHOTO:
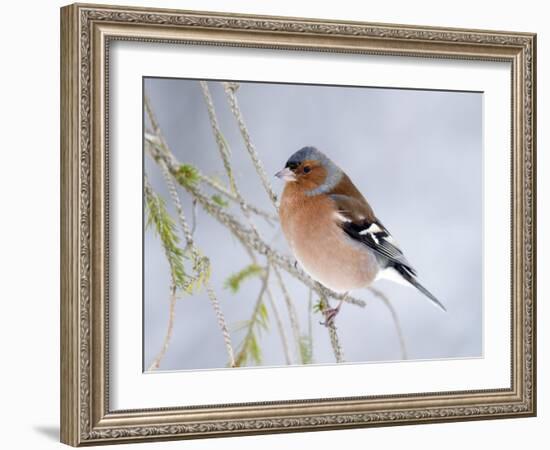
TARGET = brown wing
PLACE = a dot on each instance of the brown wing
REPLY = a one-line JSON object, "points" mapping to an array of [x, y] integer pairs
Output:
{"points": [[358, 222], [354, 209]]}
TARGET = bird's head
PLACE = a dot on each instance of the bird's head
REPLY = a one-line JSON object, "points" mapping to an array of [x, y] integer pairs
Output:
{"points": [[311, 170]]}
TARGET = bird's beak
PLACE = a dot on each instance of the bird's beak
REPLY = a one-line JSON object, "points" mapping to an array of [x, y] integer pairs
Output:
{"points": [[286, 174]]}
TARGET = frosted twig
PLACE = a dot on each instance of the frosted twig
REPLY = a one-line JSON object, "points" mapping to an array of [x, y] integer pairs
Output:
{"points": [[241, 355], [310, 321], [280, 327], [225, 154], [230, 195], [221, 322], [292, 314], [335, 342], [220, 140], [333, 333], [194, 218], [156, 128], [201, 263], [278, 321], [179, 209], [169, 329], [230, 89], [395, 319]]}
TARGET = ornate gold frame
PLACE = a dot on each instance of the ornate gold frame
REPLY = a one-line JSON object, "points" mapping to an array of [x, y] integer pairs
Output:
{"points": [[86, 31]]}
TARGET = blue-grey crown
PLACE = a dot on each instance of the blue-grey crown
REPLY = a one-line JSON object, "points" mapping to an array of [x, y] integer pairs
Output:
{"points": [[306, 153], [334, 174]]}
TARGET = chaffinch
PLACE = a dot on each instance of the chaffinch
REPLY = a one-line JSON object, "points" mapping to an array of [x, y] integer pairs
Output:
{"points": [[333, 231]]}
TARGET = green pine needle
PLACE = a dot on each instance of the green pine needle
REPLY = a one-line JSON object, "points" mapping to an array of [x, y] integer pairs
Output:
{"points": [[159, 218], [317, 307], [254, 350], [188, 175], [234, 281], [263, 320], [165, 228], [219, 200], [306, 353]]}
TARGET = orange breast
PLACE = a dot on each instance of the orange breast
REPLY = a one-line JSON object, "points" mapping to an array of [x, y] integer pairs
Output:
{"points": [[326, 253]]}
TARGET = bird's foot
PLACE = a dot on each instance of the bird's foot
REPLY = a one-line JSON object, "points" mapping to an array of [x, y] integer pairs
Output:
{"points": [[330, 314]]}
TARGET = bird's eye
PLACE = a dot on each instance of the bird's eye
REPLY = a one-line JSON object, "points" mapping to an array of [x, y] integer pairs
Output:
{"points": [[307, 169], [291, 165]]}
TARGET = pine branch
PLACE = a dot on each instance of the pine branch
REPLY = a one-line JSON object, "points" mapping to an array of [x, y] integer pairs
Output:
{"points": [[201, 265], [231, 196], [245, 235], [165, 228], [198, 176]]}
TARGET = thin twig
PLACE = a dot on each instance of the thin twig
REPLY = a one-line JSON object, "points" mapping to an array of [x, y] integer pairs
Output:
{"points": [[169, 329], [231, 196], [333, 333], [220, 139], [292, 314], [221, 322], [335, 342], [310, 322], [148, 192], [230, 89], [241, 355], [199, 262], [179, 209], [223, 148], [154, 123], [278, 321], [194, 218], [395, 319]]}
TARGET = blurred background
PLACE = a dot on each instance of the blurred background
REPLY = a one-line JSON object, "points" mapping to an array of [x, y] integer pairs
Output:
{"points": [[416, 155]]}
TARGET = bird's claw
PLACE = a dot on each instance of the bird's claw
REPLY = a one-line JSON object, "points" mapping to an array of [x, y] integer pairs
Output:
{"points": [[330, 315]]}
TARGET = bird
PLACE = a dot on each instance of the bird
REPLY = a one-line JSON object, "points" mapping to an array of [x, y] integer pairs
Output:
{"points": [[333, 231]]}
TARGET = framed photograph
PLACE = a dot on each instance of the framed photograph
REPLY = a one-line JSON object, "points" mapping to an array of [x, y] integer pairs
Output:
{"points": [[277, 224]]}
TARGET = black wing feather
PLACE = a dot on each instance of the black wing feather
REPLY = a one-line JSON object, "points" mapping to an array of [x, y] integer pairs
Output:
{"points": [[378, 239], [360, 224]]}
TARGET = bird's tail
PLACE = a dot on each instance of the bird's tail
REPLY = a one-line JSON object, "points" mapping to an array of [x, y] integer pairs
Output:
{"points": [[412, 280]]}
